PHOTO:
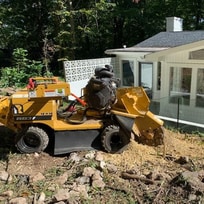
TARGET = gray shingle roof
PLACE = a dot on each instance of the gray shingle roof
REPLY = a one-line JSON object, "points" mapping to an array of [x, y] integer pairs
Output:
{"points": [[172, 39]]}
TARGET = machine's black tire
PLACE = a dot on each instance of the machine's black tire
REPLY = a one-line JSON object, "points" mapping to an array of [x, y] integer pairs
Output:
{"points": [[33, 139], [114, 140]]}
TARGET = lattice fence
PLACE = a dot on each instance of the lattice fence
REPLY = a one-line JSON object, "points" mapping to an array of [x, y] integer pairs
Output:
{"points": [[79, 70]]}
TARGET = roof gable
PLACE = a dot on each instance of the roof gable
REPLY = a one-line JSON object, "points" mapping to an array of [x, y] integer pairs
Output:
{"points": [[195, 48], [172, 39]]}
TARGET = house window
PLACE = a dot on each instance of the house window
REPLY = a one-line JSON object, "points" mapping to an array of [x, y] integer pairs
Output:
{"points": [[180, 85], [145, 77], [200, 88], [127, 71]]}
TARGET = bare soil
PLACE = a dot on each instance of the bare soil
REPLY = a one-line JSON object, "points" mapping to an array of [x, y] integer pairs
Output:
{"points": [[144, 174]]}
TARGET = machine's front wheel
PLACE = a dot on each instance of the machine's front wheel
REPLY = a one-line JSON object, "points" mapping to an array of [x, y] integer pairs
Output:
{"points": [[114, 140], [33, 139]]}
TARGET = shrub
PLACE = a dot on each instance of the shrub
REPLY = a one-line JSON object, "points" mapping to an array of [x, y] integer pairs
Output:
{"points": [[22, 69]]}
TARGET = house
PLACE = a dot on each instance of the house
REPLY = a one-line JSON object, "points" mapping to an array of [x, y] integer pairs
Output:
{"points": [[170, 66]]}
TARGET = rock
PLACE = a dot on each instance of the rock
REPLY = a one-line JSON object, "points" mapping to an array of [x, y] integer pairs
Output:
{"points": [[111, 168], [97, 180], [7, 193], [102, 165], [192, 197], [72, 196], [83, 180], [22, 180], [4, 176], [41, 198], [75, 157], [90, 155], [38, 177], [2, 198], [62, 194], [88, 171], [62, 179], [18, 200], [36, 155], [98, 184], [97, 176], [99, 156], [79, 190]]}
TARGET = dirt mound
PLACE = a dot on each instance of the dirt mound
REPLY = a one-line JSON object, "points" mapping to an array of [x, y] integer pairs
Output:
{"points": [[176, 145]]}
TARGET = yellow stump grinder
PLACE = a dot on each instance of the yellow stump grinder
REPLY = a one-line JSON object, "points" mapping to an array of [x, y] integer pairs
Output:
{"points": [[105, 116]]}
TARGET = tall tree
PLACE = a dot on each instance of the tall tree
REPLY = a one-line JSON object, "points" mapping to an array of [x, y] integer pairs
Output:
{"points": [[59, 29], [24, 23]]}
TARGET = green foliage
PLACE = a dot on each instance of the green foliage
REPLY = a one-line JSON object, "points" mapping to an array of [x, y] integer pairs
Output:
{"points": [[85, 29], [22, 69]]}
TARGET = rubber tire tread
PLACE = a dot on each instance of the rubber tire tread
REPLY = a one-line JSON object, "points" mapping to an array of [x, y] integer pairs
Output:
{"points": [[42, 136], [106, 138]]}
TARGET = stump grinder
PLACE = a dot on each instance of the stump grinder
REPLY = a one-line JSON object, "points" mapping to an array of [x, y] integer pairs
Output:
{"points": [[105, 116]]}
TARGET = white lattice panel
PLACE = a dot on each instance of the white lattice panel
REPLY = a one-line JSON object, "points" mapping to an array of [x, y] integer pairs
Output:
{"points": [[78, 72], [84, 69]]}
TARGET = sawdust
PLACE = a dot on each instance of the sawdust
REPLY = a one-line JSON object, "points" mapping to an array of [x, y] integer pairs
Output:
{"points": [[136, 154], [176, 145]]}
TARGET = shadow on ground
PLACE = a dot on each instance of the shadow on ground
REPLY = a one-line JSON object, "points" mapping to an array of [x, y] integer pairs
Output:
{"points": [[7, 142]]}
